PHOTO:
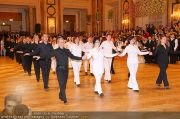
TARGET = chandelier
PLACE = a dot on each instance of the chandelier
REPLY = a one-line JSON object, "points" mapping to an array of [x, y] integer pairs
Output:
{"points": [[149, 7], [176, 15]]}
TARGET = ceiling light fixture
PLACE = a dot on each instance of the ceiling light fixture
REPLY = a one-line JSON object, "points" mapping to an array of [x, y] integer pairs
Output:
{"points": [[10, 19]]}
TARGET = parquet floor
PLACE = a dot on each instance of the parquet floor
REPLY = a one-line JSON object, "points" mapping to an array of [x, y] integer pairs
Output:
{"points": [[117, 96]]}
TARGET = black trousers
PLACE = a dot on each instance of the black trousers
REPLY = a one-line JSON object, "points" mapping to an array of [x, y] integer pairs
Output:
{"points": [[173, 58], [162, 75], [45, 68], [23, 63], [18, 58], [28, 63], [62, 75], [149, 58], [11, 55], [37, 69], [178, 55], [7, 51], [112, 67], [128, 75]]}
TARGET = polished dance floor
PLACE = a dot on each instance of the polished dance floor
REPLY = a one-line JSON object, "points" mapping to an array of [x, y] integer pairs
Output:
{"points": [[117, 96]]}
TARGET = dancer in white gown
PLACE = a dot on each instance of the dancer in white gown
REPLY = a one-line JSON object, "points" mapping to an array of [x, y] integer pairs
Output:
{"points": [[53, 61], [76, 50], [132, 62], [87, 47], [98, 56]]}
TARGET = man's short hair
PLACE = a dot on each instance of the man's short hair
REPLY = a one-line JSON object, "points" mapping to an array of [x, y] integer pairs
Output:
{"points": [[108, 34], [60, 38]]}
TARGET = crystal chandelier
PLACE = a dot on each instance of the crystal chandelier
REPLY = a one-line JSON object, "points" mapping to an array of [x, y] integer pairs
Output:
{"points": [[149, 7]]}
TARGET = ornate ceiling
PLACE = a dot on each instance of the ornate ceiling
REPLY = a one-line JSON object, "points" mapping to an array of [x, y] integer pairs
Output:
{"points": [[149, 7]]}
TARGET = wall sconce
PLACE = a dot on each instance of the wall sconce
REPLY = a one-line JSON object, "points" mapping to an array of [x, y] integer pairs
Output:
{"points": [[11, 20], [67, 21], [125, 21], [176, 15], [51, 24]]}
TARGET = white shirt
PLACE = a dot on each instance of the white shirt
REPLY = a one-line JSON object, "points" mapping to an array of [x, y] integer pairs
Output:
{"points": [[176, 43], [98, 57], [68, 45], [87, 47], [107, 46], [81, 43], [133, 52], [76, 50]]}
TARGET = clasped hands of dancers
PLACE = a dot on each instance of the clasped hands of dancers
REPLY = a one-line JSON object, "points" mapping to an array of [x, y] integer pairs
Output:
{"points": [[102, 58]]}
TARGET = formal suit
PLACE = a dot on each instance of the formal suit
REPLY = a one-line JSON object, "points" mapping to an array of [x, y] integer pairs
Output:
{"points": [[23, 48], [44, 51], [61, 56], [161, 54], [28, 59], [173, 55], [36, 63], [178, 49], [11, 50], [18, 47], [7, 47]]}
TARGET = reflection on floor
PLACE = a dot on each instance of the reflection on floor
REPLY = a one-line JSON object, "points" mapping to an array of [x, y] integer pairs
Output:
{"points": [[117, 96]]}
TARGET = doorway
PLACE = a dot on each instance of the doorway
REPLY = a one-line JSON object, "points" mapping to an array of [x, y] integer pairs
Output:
{"points": [[5, 28], [69, 24]]}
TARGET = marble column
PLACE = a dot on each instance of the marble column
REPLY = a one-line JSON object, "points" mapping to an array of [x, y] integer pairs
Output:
{"points": [[42, 11], [31, 19], [120, 13], [38, 12], [94, 9], [60, 12], [89, 15], [27, 20]]}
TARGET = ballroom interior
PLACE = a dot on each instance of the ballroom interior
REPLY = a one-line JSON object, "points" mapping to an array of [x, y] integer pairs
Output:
{"points": [[91, 17], [58, 16]]}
